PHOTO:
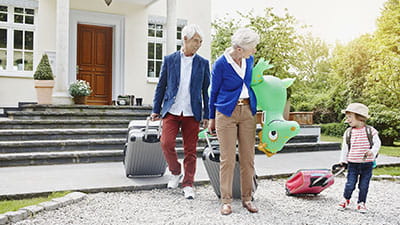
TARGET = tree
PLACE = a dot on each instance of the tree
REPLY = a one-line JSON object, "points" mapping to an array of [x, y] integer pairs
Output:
{"points": [[277, 38], [384, 80]]}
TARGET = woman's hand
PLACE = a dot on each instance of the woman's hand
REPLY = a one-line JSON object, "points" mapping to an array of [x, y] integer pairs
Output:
{"points": [[211, 126]]}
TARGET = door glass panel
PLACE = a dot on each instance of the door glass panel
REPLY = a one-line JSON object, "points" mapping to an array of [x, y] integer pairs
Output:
{"points": [[18, 63], [150, 68], [28, 61], [150, 51], [28, 19], [3, 59], [158, 51], [29, 40], [30, 11], [3, 38], [18, 10], [151, 29], [18, 39], [18, 19], [158, 68], [159, 32]]}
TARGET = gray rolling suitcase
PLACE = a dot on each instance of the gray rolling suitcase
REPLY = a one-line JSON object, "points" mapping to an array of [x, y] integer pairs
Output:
{"points": [[211, 162], [143, 155]]}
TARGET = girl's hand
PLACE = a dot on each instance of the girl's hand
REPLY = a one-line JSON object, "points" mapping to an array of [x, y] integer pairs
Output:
{"points": [[368, 154]]}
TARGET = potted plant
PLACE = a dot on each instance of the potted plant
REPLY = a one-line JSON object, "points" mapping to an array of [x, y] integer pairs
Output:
{"points": [[44, 81], [79, 90]]}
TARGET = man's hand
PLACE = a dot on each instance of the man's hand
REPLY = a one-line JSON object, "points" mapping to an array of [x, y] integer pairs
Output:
{"points": [[154, 116]]}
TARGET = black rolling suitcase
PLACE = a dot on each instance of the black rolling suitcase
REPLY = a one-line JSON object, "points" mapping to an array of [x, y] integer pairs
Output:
{"points": [[211, 162], [143, 155]]}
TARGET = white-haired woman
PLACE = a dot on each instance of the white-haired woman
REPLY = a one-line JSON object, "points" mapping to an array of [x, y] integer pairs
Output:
{"points": [[232, 114]]}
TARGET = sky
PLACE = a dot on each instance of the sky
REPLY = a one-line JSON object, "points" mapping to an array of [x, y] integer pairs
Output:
{"points": [[330, 20]]}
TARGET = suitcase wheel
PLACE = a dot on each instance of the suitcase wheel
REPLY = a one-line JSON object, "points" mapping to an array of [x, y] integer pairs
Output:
{"points": [[287, 191]]}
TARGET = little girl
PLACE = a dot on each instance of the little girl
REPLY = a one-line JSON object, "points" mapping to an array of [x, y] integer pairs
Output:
{"points": [[359, 155]]}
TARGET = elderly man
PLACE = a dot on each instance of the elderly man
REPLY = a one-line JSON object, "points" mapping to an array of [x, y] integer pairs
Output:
{"points": [[180, 97]]}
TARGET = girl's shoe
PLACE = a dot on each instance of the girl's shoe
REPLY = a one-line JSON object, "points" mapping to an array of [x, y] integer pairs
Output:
{"points": [[361, 207], [343, 205]]}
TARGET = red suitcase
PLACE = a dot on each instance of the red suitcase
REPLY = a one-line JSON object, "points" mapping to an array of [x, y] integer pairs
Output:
{"points": [[309, 181]]}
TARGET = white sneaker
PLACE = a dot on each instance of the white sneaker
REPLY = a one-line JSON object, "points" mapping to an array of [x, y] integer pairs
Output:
{"points": [[174, 181], [188, 192]]}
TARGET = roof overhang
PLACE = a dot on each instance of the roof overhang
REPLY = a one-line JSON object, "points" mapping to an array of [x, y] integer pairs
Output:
{"points": [[139, 2]]}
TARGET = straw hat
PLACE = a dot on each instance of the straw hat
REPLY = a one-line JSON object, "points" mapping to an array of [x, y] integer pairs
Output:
{"points": [[357, 108]]}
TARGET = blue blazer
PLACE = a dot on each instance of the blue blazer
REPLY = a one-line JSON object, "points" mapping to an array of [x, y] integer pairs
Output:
{"points": [[168, 84], [226, 86]]}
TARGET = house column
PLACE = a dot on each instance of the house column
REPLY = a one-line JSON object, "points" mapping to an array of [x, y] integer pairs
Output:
{"points": [[60, 94], [171, 26]]}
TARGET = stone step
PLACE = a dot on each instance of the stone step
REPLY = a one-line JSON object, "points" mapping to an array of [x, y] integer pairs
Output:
{"points": [[288, 148], [115, 155], [49, 115], [52, 158], [57, 123], [82, 108], [45, 140], [61, 145], [61, 134]]}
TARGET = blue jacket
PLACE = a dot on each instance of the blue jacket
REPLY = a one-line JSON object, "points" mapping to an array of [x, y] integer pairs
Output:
{"points": [[168, 85], [226, 86]]}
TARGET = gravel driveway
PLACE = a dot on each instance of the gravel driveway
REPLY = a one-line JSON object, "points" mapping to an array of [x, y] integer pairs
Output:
{"points": [[169, 207]]}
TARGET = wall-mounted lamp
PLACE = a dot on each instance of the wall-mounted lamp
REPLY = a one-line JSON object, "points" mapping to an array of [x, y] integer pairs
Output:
{"points": [[108, 2]]}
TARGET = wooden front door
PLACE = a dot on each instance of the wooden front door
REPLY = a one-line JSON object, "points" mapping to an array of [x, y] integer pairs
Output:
{"points": [[94, 61]]}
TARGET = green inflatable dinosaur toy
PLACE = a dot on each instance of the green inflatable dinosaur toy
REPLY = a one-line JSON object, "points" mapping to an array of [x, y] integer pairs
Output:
{"points": [[271, 99]]}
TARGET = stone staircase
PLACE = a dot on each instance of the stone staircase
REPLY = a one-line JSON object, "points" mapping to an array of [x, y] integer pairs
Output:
{"points": [[57, 134]]}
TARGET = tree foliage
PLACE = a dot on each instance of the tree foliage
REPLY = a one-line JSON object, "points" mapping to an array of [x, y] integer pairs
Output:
{"points": [[365, 70], [277, 38]]}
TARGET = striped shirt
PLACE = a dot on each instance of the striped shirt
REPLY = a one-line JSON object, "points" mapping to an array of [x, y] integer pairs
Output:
{"points": [[360, 145]]}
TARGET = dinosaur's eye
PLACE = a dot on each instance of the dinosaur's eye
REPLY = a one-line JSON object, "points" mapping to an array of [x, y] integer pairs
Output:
{"points": [[273, 135]]}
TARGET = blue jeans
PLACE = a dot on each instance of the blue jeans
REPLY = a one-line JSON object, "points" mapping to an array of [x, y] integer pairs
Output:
{"points": [[361, 172]]}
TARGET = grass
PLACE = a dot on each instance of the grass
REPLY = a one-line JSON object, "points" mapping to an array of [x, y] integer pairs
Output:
{"points": [[385, 150], [14, 205], [390, 170]]}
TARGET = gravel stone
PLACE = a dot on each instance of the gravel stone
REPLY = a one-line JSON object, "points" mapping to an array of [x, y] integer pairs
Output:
{"points": [[3, 219], [163, 206]]}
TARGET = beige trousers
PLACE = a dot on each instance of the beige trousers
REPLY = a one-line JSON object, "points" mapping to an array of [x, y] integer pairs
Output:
{"points": [[241, 127]]}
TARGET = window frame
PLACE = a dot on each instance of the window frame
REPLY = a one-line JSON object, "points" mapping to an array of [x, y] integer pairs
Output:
{"points": [[156, 40], [10, 26]]}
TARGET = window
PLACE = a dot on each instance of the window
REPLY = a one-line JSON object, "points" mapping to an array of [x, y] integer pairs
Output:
{"points": [[156, 46], [16, 38], [155, 49]]}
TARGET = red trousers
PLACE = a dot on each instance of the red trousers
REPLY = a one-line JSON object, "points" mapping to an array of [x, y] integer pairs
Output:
{"points": [[190, 129]]}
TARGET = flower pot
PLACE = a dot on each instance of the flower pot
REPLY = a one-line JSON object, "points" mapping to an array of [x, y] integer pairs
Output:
{"points": [[80, 100], [44, 91]]}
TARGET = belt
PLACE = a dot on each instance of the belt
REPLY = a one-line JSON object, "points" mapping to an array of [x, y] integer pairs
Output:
{"points": [[243, 101]]}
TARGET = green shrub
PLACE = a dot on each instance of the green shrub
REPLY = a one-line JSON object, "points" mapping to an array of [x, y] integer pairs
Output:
{"points": [[43, 70], [386, 121], [333, 129]]}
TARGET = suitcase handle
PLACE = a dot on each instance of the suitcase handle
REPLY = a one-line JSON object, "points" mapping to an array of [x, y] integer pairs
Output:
{"points": [[209, 144], [147, 128]]}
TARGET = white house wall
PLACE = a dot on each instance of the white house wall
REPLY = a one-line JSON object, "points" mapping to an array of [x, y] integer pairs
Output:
{"points": [[134, 52], [194, 11]]}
